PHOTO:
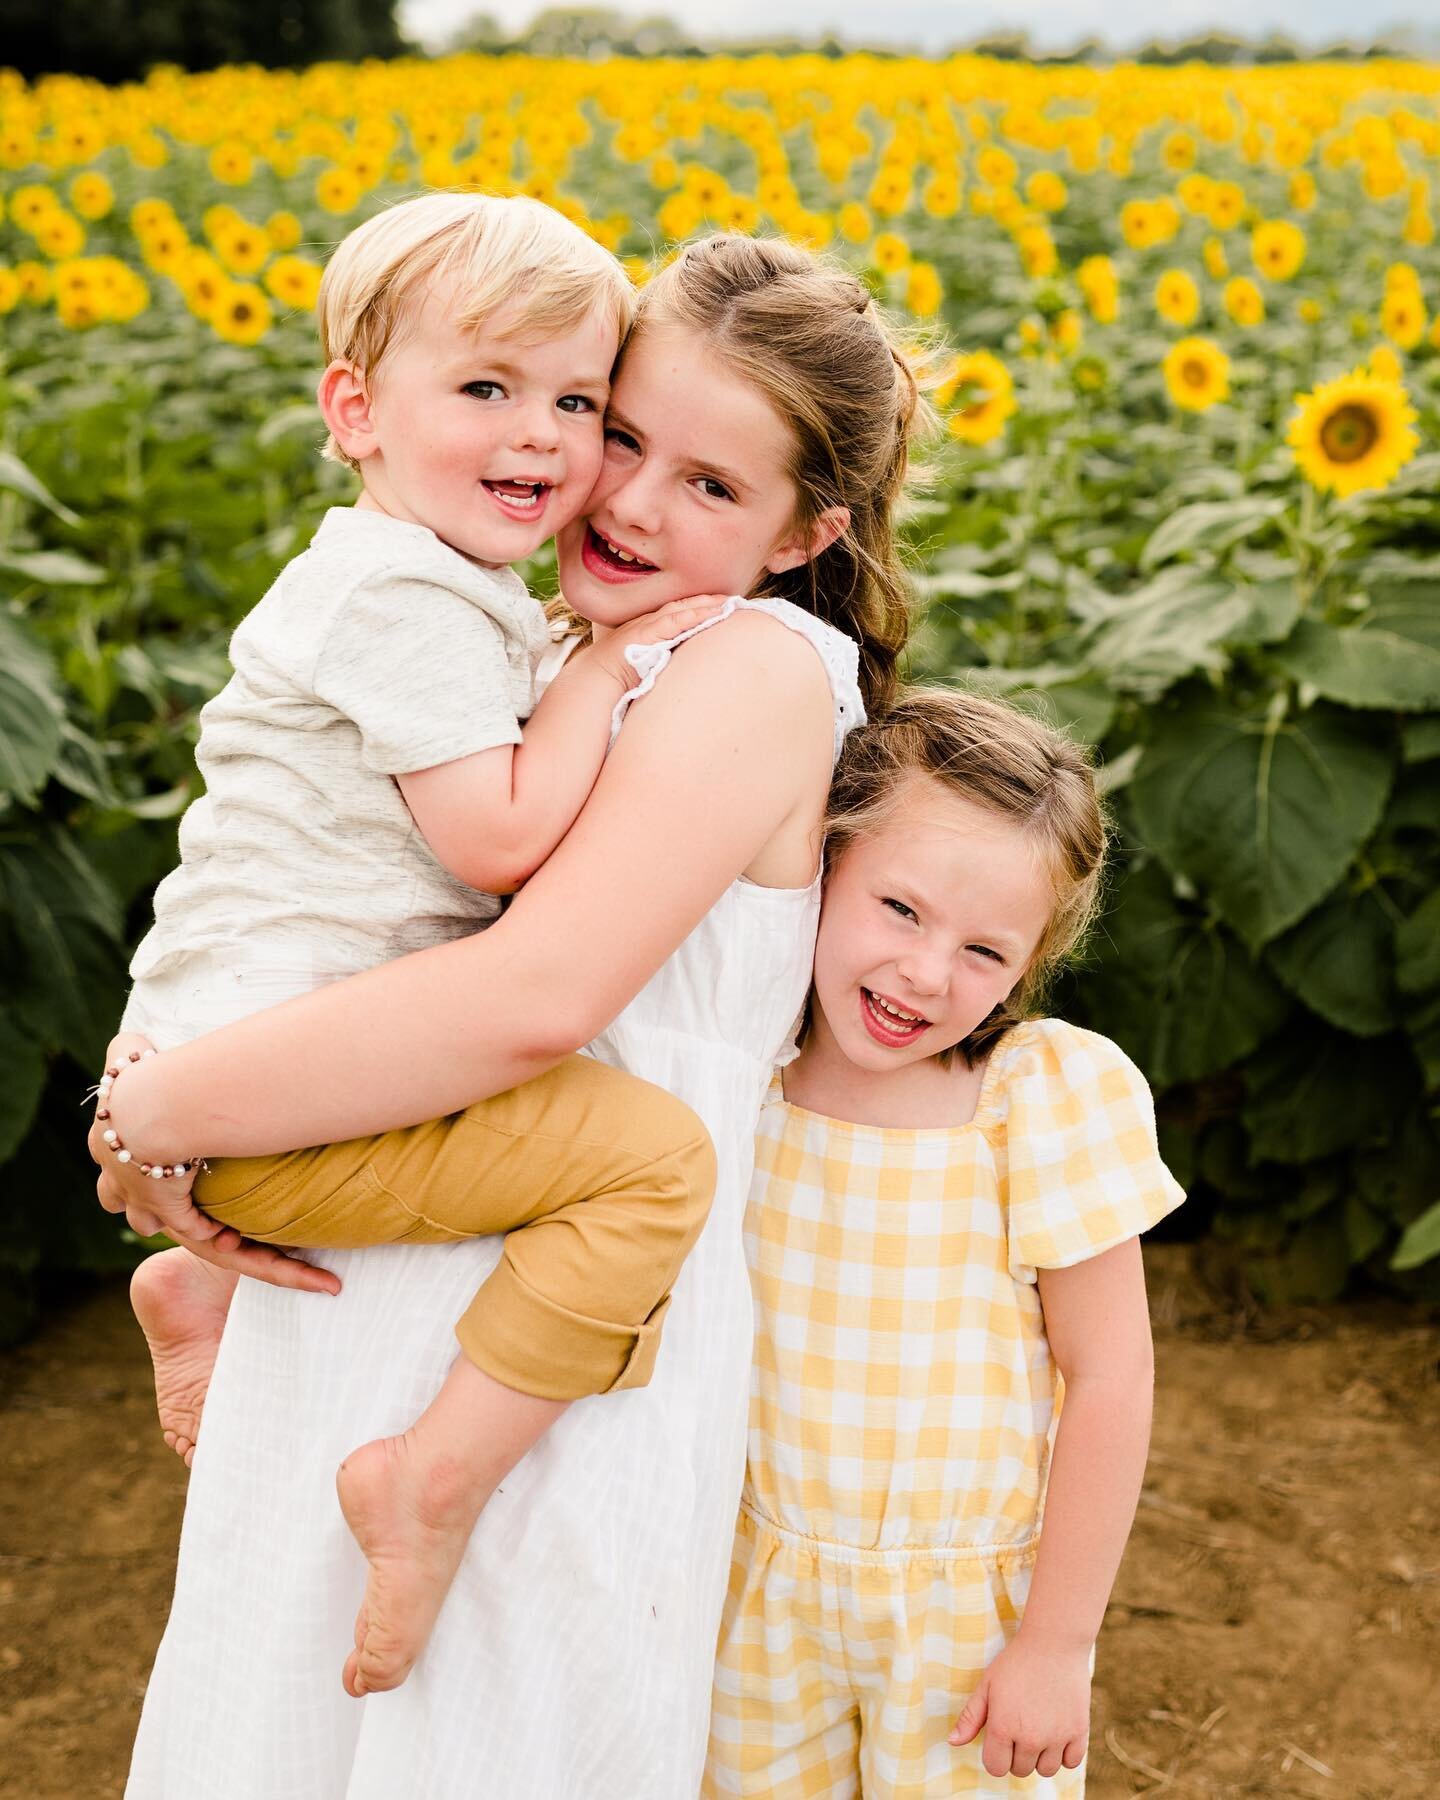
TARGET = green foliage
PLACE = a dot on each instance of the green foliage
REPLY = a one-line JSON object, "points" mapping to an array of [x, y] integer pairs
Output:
{"points": [[1261, 674]]}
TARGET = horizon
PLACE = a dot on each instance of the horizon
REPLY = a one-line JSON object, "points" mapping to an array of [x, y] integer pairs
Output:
{"points": [[931, 25]]}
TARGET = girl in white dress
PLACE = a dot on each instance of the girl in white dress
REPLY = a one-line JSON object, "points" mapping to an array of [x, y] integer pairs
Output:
{"points": [[760, 396]]}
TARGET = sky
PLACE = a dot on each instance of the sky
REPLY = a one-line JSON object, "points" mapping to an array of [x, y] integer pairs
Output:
{"points": [[1052, 24]]}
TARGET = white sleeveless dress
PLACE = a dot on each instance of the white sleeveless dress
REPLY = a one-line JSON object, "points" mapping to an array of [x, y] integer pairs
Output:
{"points": [[573, 1658]]}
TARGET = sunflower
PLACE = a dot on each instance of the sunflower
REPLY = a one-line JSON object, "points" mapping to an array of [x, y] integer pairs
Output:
{"points": [[242, 314], [890, 253], [36, 282], [10, 290], [1100, 285], [294, 281], [1354, 432], [338, 191], [854, 222], [980, 388], [1177, 299], [1402, 317], [1302, 190], [1037, 252], [91, 195], [1278, 248], [1217, 264], [1243, 301], [1197, 373], [1227, 205], [283, 230], [1046, 191], [232, 163], [1385, 363], [924, 290]]}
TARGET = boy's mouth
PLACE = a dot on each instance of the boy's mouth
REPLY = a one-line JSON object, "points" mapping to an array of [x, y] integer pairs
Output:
{"points": [[611, 561], [889, 1023], [520, 497]]}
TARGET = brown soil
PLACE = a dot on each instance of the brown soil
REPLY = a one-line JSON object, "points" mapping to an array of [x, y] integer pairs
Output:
{"points": [[1273, 1631]]}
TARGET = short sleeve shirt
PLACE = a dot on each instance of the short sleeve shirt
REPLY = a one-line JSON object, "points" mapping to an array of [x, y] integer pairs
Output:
{"points": [[377, 652], [903, 1390]]}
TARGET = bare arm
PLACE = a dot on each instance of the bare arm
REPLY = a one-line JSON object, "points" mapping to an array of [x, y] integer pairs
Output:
{"points": [[493, 818], [733, 743], [1099, 1330]]}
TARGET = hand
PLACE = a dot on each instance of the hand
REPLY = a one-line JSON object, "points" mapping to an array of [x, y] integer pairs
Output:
{"points": [[1034, 1705], [264, 1262], [665, 622], [149, 1206]]}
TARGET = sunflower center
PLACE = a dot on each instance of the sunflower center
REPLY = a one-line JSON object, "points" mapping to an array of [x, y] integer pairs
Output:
{"points": [[1349, 433], [1194, 373]]}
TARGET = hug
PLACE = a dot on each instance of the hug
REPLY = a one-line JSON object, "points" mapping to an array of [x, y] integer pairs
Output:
{"points": [[631, 1320]]}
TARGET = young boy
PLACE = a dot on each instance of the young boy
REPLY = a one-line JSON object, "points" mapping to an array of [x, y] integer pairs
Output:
{"points": [[370, 792]]}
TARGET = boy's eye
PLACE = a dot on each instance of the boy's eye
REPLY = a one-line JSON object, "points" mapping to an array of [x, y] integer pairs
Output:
{"points": [[614, 435], [581, 403], [472, 386], [900, 907], [985, 950], [708, 481]]}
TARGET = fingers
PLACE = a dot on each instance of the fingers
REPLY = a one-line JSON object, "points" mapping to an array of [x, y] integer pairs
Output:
{"points": [[1048, 1761], [971, 1718], [264, 1262], [998, 1752], [1075, 1752]]}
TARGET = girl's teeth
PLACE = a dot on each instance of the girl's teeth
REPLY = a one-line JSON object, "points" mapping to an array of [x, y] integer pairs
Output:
{"points": [[895, 1012]]}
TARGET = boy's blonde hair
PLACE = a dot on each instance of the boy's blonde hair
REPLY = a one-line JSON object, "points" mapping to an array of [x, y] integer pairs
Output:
{"points": [[851, 388], [1012, 765], [499, 250]]}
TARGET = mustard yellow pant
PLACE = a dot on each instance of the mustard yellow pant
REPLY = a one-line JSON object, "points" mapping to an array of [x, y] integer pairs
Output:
{"points": [[602, 1182]]}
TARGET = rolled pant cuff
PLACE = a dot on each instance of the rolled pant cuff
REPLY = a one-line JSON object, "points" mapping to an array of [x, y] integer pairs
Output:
{"points": [[539, 1347]]}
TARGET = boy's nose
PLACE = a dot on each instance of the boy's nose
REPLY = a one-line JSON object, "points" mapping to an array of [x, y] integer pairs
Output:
{"points": [[537, 428]]}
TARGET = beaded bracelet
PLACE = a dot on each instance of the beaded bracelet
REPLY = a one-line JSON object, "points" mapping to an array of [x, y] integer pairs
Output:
{"points": [[158, 1171]]}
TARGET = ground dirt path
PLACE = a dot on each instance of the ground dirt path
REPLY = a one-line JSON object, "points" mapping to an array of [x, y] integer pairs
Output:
{"points": [[1275, 1629]]}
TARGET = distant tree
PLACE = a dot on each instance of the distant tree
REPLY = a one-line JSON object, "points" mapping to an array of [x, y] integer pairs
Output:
{"points": [[117, 40]]}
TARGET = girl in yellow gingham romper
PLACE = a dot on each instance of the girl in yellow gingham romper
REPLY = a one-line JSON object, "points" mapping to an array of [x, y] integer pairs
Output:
{"points": [[905, 1396]]}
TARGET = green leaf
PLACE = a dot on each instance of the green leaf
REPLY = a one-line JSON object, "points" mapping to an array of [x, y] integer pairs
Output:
{"points": [[1213, 525], [52, 568], [24, 1063], [1417, 948], [1309, 1094], [1340, 960], [1079, 705], [1174, 987], [31, 712], [1390, 657], [69, 983], [1165, 631], [1272, 607], [1364, 1230], [1264, 813], [1420, 1242], [304, 416], [21, 480], [1420, 740]]}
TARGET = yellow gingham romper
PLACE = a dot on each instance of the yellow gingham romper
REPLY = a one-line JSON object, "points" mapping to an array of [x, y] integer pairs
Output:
{"points": [[901, 1417]]}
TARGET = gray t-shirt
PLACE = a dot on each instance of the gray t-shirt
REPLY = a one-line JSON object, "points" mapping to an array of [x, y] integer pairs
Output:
{"points": [[378, 651]]}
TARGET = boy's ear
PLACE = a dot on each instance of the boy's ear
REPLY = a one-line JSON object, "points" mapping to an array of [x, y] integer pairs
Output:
{"points": [[345, 407], [823, 533]]}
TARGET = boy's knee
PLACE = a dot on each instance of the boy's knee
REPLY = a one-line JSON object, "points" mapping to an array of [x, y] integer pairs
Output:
{"points": [[684, 1170]]}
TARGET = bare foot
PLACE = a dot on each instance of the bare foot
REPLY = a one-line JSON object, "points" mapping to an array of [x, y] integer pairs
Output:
{"points": [[412, 1503], [181, 1305], [412, 1515]]}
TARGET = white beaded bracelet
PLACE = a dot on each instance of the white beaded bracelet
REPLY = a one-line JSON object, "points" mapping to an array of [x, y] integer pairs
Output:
{"points": [[158, 1171]]}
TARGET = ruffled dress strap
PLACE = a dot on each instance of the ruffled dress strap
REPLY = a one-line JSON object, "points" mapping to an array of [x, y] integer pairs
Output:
{"points": [[839, 654]]}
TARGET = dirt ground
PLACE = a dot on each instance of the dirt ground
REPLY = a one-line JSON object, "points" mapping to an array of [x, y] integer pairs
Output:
{"points": [[1274, 1630]]}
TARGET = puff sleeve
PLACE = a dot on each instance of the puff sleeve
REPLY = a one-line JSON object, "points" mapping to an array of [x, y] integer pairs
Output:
{"points": [[1082, 1166]]}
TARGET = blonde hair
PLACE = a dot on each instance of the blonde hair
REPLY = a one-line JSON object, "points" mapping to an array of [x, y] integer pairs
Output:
{"points": [[1010, 764], [499, 250], [808, 335]]}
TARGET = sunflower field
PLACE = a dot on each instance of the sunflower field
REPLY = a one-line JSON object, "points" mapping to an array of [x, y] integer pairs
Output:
{"points": [[1187, 500]]}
